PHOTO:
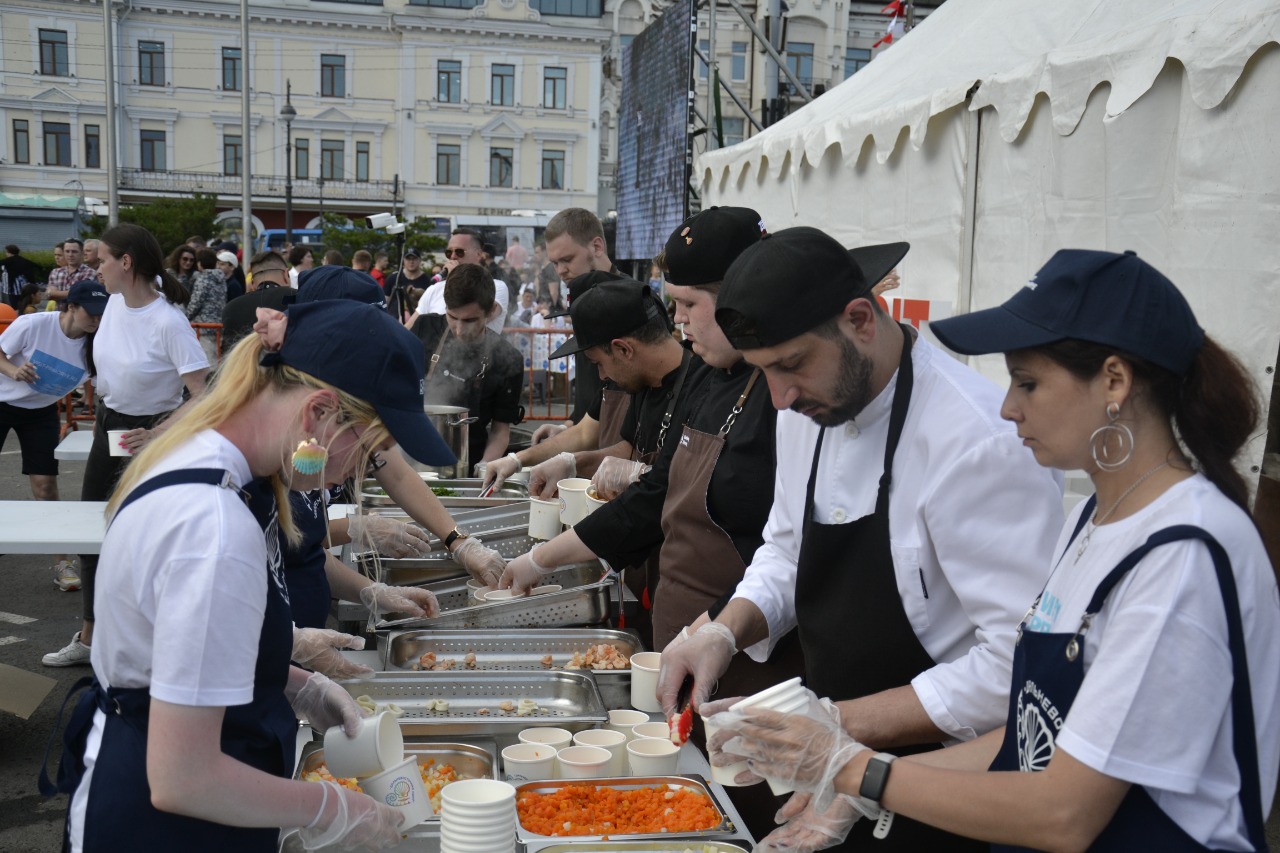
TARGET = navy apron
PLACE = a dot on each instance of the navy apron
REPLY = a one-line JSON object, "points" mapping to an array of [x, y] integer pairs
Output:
{"points": [[1052, 667], [309, 593], [856, 637], [261, 733]]}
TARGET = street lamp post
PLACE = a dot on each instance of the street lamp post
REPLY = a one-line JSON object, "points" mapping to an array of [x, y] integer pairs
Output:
{"points": [[320, 187], [287, 115]]}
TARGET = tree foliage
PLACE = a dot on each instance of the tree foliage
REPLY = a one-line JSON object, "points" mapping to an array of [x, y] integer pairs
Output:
{"points": [[170, 220], [348, 238]]}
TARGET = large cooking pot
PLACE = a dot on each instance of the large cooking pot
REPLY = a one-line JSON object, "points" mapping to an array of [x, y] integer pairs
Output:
{"points": [[453, 423]]}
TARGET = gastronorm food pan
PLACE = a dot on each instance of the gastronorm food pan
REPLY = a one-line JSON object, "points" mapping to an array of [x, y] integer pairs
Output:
{"points": [[693, 783], [462, 493], [416, 841], [667, 844], [476, 760]]}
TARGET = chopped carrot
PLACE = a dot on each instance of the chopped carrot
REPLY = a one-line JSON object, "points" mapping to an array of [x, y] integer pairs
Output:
{"points": [[591, 810]]}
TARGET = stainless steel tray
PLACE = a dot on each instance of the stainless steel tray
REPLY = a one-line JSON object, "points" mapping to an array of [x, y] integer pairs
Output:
{"points": [[569, 700], [693, 783], [494, 521], [668, 844], [416, 841], [467, 493], [583, 601]]}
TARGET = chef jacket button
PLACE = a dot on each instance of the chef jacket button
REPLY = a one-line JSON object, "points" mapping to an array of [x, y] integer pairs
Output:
{"points": [[851, 430], [838, 516]]}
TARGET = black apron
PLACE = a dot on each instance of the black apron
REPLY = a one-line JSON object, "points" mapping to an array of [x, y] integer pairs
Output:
{"points": [[309, 593], [856, 637], [1053, 664], [262, 733]]}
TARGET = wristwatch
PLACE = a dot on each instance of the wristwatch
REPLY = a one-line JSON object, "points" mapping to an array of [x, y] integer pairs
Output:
{"points": [[876, 776], [454, 536]]}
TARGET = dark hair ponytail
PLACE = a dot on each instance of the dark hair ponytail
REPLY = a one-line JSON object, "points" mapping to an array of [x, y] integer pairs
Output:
{"points": [[148, 260]]}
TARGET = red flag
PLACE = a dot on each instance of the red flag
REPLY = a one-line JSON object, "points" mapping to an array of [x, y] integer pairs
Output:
{"points": [[894, 8], [887, 38]]}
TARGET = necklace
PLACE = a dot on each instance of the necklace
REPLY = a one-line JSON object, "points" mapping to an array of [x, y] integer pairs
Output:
{"points": [[1100, 519]]}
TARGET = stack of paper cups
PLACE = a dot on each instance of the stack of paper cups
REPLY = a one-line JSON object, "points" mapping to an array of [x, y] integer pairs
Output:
{"points": [[786, 697], [478, 816]]}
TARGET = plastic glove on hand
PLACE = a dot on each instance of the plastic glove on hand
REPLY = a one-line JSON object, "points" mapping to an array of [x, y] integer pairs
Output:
{"points": [[351, 820], [318, 649], [496, 472], [524, 573], [380, 598], [614, 475], [324, 705], [544, 477], [483, 564], [705, 656], [389, 537], [544, 432], [804, 829]]}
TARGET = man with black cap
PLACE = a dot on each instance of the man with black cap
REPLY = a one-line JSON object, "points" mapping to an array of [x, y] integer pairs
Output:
{"points": [[408, 284], [268, 288], [909, 527]]}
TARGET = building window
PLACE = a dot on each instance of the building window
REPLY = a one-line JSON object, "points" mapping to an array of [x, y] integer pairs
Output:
{"points": [[231, 155], [800, 60], [732, 129], [53, 54], [625, 41], [449, 81], [150, 63], [855, 59], [153, 156], [502, 87], [231, 69], [21, 141], [92, 147], [704, 47], [57, 143], [553, 170], [362, 161], [555, 84], [449, 165], [501, 167], [302, 158], [332, 153], [569, 8], [739, 67], [447, 4], [333, 75]]}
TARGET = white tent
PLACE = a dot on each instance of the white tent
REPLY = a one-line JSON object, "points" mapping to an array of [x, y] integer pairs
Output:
{"points": [[1034, 125]]}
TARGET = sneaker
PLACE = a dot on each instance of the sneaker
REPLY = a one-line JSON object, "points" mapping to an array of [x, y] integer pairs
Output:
{"points": [[74, 653], [65, 576]]}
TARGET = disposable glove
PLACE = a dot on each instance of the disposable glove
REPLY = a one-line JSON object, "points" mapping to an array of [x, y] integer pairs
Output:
{"points": [[483, 564], [380, 598], [524, 573], [351, 820], [705, 656], [614, 475], [804, 749], [498, 470], [544, 432], [324, 705], [317, 648], [804, 829], [544, 476], [389, 537], [677, 639]]}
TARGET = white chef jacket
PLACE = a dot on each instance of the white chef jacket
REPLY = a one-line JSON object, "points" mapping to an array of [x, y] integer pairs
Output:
{"points": [[972, 523]]}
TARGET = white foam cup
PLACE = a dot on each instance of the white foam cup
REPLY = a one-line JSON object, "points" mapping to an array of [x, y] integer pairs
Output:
{"points": [[648, 729], [544, 519], [573, 499], [624, 720], [614, 741], [644, 681], [651, 756], [528, 762], [114, 437], [402, 788], [584, 762], [378, 746]]}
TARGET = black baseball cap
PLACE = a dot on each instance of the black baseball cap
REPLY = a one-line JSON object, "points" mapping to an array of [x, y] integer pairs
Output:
{"points": [[609, 310], [701, 249], [362, 350], [332, 281], [1117, 300], [411, 253], [794, 280], [89, 295], [581, 284]]}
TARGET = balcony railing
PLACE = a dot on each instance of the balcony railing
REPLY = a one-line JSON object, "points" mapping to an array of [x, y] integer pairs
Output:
{"points": [[262, 185]]}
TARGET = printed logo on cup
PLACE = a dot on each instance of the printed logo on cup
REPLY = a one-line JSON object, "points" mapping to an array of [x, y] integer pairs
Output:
{"points": [[563, 505], [401, 793]]}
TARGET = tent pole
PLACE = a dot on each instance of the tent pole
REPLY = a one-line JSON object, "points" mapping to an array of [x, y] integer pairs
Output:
{"points": [[973, 141]]}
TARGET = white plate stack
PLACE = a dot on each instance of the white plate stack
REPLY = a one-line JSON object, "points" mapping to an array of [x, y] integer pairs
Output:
{"points": [[478, 816]]}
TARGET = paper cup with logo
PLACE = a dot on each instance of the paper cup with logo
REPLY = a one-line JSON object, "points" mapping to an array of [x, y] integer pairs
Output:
{"points": [[644, 681], [378, 746], [573, 499], [584, 762], [544, 519], [615, 742], [652, 756], [529, 762], [114, 437], [624, 720], [402, 787]]}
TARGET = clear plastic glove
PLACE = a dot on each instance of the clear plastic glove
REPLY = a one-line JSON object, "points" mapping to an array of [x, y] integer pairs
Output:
{"points": [[389, 537], [495, 473], [544, 432], [805, 829], [324, 705], [677, 639], [484, 564], [705, 656], [318, 649], [544, 476], [351, 820], [524, 573], [803, 750], [380, 598], [614, 475]]}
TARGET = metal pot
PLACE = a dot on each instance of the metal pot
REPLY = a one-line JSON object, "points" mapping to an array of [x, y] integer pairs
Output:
{"points": [[453, 423]]}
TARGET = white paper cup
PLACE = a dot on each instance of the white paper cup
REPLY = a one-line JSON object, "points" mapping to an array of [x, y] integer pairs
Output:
{"points": [[378, 746], [470, 795], [615, 742], [402, 788], [544, 519], [113, 442], [784, 689], [584, 762], [573, 499], [644, 681], [594, 503], [651, 756], [723, 775], [555, 738], [624, 720], [529, 762], [507, 595], [648, 729]]}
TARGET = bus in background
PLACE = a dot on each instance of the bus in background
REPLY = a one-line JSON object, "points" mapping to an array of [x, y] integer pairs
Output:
{"points": [[273, 238]]}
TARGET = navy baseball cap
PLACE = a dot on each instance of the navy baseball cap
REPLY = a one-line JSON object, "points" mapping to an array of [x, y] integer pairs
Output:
{"points": [[332, 281], [1118, 300], [610, 310], [89, 295], [581, 284], [701, 249], [363, 351]]}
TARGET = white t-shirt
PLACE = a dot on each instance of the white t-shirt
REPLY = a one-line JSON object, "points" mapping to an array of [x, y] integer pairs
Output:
{"points": [[1154, 708], [142, 354], [59, 360], [432, 302]]}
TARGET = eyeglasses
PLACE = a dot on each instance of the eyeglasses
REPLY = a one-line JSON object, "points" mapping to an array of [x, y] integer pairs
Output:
{"points": [[455, 253]]}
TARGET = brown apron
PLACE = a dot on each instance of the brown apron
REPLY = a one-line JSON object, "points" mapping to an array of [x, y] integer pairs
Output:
{"points": [[614, 403]]}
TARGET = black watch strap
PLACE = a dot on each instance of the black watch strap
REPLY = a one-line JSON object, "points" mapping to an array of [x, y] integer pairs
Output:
{"points": [[876, 777], [454, 536]]}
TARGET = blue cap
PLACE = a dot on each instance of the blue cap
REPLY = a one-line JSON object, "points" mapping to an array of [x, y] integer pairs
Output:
{"points": [[1104, 298], [363, 351], [89, 295], [337, 282]]}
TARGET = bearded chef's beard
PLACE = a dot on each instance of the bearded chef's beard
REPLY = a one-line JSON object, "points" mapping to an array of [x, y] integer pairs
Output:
{"points": [[852, 391]]}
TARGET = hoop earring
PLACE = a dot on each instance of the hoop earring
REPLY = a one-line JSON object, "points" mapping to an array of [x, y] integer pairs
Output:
{"points": [[310, 457], [1111, 445]]}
